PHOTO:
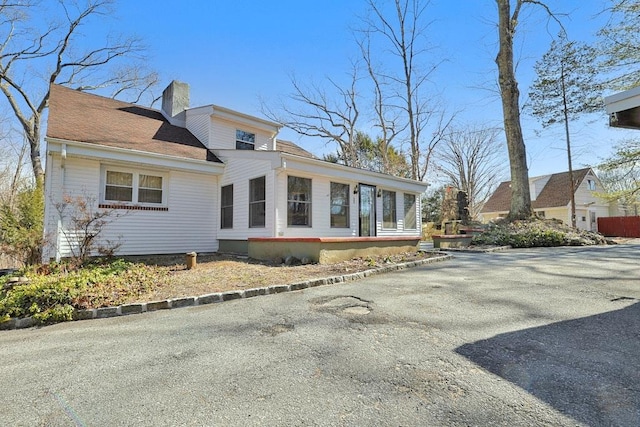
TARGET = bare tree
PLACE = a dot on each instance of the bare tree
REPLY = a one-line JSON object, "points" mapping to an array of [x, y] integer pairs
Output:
{"points": [[510, 94], [29, 56], [316, 113], [472, 161], [386, 119], [403, 35]]}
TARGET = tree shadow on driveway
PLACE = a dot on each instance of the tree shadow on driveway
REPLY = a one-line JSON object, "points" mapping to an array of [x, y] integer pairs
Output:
{"points": [[586, 368]]}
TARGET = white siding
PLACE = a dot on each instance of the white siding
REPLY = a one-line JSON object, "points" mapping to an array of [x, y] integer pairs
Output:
{"points": [[321, 217], [199, 125], [238, 172], [320, 205], [399, 230], [187, 225], [536, 185], [222, 135]]}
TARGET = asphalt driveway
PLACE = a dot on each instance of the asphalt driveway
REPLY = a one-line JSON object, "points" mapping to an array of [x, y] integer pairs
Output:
{"points": [[515, 338]]}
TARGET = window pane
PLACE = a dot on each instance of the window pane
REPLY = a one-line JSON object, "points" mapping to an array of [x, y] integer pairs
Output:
{"points": [[148, 181], [410, 211], [226, 217], [226, 204], [256, 189], [257, 214], [257, 207], [226, 198], [245, 140], [339, 205], [388, 209], [149, 196], [120, 178], [245, 136], [244, 146], [120, 194], [299, 201]]}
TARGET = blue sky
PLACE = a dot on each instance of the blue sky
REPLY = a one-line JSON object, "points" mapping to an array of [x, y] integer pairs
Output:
{"points": [[235, 52]]}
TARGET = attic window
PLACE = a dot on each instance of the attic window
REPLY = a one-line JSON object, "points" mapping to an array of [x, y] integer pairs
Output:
{"points": [[591, 184], [245, 140]]}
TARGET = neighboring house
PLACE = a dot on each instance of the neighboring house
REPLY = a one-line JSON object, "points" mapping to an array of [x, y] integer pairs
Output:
{"points": [[624, 109], [210, 179], [550, 198]]}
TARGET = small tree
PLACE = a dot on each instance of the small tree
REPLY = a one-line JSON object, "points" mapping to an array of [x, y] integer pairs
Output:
{"points": [[84, 227], [432, 205], [620, 174], [21, 231], [619, 45], [565, 88]]}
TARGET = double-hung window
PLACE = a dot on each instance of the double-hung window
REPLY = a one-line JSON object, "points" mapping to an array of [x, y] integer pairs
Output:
{"points": [[389, 209], [133, 188], [409, 211], [257, 203], [245, 140], [298, 201], [226, 206], [339, 205]]}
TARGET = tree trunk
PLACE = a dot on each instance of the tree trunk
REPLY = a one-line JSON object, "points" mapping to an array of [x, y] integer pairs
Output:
{"points": [[520, 195]]}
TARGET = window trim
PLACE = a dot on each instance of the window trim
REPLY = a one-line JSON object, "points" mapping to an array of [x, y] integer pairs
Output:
{"points": [[255, 202], [346, 205], [134, 204], [243, 144], [308, 202], [224, 207], [591, 184], [415, 216], [394, 210]]}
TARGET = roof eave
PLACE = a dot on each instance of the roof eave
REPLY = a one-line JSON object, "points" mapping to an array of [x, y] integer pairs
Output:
{"points": [[107, 153]]}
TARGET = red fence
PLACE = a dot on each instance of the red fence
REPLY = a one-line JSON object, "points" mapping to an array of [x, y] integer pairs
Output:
{"points": [[620, 226]]}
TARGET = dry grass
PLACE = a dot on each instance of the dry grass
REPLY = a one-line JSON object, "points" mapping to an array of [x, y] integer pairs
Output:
{"points": [[220, 273]]}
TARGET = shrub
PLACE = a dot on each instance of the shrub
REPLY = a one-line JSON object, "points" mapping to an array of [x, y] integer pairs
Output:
{"points": [[55, 291], [21, 226], [535, 233]]}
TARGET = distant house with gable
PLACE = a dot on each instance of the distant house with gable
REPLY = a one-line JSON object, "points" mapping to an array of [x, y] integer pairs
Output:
{"points": [[210, 179], [550, 198]]}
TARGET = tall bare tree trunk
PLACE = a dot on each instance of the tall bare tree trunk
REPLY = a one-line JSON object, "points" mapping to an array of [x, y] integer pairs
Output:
{"points": [[520, 195]]}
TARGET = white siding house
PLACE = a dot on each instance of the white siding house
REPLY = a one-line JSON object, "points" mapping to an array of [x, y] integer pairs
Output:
{"points": [[209, 179], [550, 198]]}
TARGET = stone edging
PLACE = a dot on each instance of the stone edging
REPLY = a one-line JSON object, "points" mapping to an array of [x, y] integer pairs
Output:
{"points": [[144, 307]]}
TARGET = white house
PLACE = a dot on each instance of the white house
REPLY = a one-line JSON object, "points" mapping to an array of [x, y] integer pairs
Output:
{"points": [[550, 198], [210, 179]]}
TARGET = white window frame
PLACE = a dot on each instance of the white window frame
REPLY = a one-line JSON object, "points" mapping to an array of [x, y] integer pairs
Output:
{"points": [[136, 185], [410, 213], [293, 199], [591, 184], [345, 205], [393, 212], [257, 203], [244, 143], [224, 208]]}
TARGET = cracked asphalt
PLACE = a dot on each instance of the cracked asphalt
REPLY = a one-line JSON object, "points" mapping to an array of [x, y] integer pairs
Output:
{"points": [[537, 337]]}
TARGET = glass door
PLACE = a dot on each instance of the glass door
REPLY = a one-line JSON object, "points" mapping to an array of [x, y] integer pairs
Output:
{"points": [[367, 210]]}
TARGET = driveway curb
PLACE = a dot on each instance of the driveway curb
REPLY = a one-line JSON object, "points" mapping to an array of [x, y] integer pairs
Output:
{"points": [[168, 304]]}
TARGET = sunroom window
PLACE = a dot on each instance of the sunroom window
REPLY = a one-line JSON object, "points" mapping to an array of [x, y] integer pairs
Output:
{"points": [[298, 201]]}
